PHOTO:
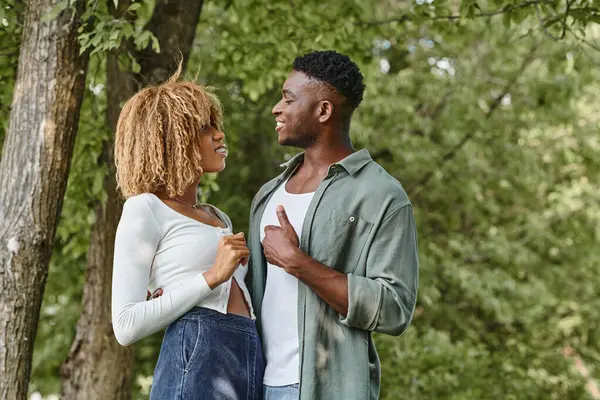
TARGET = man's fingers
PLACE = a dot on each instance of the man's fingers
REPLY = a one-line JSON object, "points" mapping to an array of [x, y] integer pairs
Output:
{"points": [[270, 228], [283, 218]]}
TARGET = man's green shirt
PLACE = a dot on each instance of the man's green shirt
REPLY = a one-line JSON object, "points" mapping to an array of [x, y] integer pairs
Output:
{"points": [[360, 222]]}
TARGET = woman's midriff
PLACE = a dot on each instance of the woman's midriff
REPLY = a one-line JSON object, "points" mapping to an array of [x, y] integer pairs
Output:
{"points": [[237, 302]]}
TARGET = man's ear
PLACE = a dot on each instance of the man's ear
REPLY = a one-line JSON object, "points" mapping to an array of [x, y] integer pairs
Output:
{"points": [[325, 111]]}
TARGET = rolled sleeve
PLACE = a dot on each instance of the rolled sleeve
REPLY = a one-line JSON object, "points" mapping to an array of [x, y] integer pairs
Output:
{"points": [[384, 299]]}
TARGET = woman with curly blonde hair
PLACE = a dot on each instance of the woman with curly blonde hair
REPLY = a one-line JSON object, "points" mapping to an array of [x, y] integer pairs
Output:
{"points": [[167, 137]]}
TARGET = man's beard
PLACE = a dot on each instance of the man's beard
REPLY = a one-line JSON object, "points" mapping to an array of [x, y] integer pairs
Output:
{"points": [[302, 141]]}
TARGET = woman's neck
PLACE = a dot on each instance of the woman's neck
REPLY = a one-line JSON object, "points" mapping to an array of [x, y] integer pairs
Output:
{"points": [[190, 195]]}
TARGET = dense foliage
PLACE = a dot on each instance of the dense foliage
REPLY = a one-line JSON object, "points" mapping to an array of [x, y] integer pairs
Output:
{"points": [[485, 111]]}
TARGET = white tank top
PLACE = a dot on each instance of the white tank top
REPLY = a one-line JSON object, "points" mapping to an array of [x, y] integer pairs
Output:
{"points": [[279, 315]]}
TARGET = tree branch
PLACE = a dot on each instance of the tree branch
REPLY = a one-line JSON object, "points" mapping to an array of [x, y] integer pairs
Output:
{"points": [[506, 8], [581, 39], [564, 28]]}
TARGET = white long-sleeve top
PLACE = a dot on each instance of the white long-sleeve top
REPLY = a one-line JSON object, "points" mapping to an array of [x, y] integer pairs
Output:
{"points": [[157, 247]]}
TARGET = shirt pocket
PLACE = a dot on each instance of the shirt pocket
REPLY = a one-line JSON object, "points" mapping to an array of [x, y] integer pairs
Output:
{"points": [[343, 240]]}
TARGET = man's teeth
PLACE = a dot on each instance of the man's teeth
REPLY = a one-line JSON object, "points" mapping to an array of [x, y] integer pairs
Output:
{"points": [[279, 124]]}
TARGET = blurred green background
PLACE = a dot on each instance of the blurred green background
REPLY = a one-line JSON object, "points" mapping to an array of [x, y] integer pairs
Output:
{"points": [[487, 113]]}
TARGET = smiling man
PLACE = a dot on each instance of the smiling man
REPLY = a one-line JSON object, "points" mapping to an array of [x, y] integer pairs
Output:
{"points": [[333, 244]]}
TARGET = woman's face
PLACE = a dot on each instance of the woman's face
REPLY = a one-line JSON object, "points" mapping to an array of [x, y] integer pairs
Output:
{"points": [[213, 149]]}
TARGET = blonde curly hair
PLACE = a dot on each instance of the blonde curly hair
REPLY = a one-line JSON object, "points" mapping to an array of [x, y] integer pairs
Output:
{"points": [[157, 142]]}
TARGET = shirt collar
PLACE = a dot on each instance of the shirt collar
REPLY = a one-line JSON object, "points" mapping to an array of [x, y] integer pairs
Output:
{"points": [[355, 161], [352, 164]]}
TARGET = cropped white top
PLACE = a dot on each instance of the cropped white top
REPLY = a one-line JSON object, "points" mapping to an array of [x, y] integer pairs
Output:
{"points": [[157, 247]]}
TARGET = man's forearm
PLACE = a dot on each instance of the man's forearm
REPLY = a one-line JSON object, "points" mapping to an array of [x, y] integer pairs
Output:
{"points": [[327, 283]]}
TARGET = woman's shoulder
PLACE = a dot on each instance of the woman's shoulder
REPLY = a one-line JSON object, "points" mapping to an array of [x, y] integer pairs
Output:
{"points": [[140, 212], [141, 200], [144, 203]]}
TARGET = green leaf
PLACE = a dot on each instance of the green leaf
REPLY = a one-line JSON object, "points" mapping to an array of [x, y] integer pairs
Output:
{"points": [[142, 39], [135, 66], [134, 6], [155, 44], [96, 40], [127, 30], [114, 35]]}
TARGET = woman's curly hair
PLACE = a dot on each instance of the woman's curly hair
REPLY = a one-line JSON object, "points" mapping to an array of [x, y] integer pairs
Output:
{"points": [[157, 142]]}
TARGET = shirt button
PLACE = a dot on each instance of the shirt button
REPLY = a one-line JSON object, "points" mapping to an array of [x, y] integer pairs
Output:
{"points": [[352, 219]]}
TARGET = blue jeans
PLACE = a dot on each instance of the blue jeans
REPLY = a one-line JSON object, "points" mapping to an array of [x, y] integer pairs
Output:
{"points": [[289, 392], [207, 355]]}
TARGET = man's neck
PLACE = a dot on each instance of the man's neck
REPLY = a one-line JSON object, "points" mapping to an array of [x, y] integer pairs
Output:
{"points": [[320, 156]]}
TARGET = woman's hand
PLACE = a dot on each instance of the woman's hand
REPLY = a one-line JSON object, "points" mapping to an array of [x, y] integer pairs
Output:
{"points": [[231, 252]]}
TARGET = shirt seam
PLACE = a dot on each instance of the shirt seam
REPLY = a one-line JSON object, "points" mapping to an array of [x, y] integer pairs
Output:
{"points": [[395, 211]]}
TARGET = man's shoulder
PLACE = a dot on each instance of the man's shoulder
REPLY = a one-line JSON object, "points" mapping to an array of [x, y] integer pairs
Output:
{"points": [[377, 182]]}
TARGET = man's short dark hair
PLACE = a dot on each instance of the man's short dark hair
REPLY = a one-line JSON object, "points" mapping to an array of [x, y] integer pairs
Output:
{"points": [[336, 69]]}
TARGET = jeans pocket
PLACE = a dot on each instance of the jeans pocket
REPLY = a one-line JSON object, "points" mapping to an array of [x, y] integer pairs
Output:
{"points": [[190, 338]]}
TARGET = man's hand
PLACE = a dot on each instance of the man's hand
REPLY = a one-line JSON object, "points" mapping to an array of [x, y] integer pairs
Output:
{"points": [[280, 244]]}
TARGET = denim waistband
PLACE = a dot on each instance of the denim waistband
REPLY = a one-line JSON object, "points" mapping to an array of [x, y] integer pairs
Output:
{"points": [[232, 321]]}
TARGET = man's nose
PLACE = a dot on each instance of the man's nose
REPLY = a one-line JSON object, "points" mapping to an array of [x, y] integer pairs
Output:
{"points": [[276, 109]]}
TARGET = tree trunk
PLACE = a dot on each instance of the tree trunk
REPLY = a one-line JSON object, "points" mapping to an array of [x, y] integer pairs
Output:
{"points": [[90, 371], [174, 25], [33, 176], [97, 366]]}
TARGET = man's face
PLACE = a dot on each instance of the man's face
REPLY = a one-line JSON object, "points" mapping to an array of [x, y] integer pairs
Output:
{"points": [[296, 113]]}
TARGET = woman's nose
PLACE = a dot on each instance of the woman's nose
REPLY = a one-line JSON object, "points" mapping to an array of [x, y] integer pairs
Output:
{"points": [[219, 135]]}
